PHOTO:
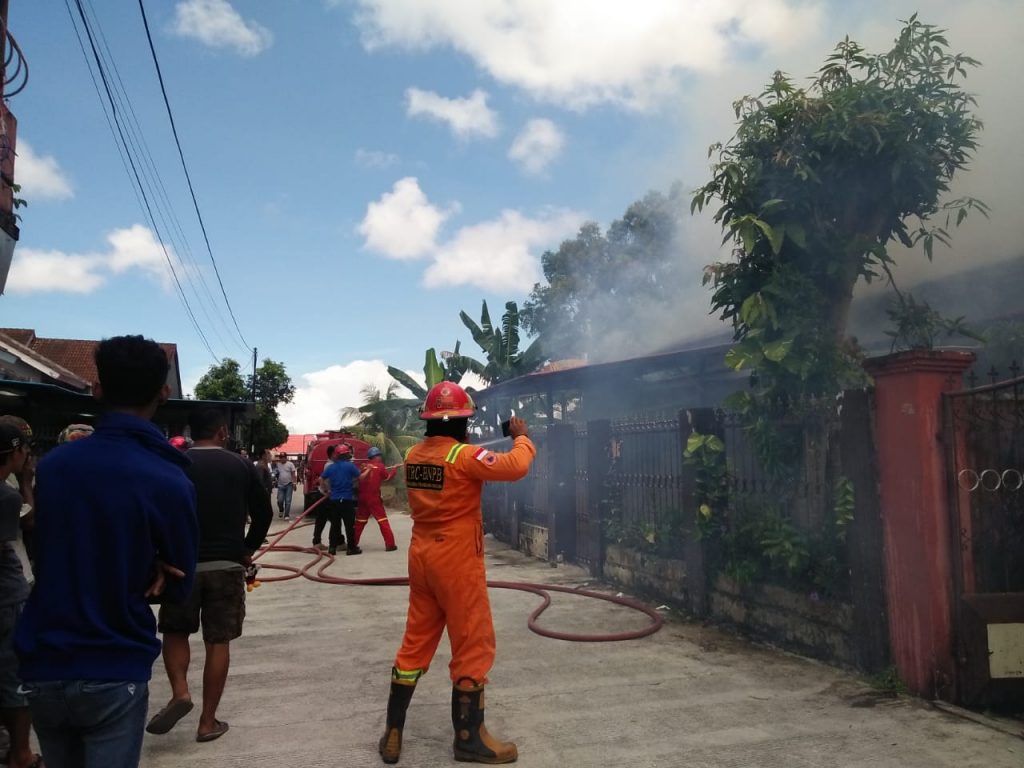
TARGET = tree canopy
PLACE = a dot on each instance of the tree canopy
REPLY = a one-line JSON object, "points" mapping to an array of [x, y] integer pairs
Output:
{"points": [[817, 183], [224, 382], [597, 278]]}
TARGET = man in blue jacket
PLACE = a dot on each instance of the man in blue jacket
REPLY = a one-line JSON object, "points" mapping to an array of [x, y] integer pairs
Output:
{"points": [[115, 527]]}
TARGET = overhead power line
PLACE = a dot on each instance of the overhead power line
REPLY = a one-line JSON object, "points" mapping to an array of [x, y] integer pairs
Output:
{"points": [[161, 199], [127, 155], [184, 166]]}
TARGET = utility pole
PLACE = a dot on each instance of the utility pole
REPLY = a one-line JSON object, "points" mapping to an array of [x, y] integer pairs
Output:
{"points": [[252, 395]]}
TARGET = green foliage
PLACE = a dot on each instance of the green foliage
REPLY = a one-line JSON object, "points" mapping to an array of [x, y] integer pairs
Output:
{"points": [[273, 386], [665, 538], [500, 345], [753, 540], [888, 681], [18, 202], [223, 382], [434, 372], [595, 279], [843, 506], [706, 454], [917, 326], [1004, 348], [814, 186]]}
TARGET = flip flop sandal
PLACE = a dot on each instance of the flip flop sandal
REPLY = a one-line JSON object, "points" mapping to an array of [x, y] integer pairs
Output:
{"points": [[169, 716], [220, 729]]}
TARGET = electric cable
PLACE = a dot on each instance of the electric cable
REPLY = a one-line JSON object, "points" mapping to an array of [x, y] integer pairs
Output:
{"points": [[154, 181], [188, 177], [533, 622], [134, 170]]}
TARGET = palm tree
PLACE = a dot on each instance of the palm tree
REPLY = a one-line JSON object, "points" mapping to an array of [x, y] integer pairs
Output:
{"points": [[385, 420]]}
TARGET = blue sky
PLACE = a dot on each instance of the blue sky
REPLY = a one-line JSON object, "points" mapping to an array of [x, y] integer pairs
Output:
{"points": [[366, 169]]}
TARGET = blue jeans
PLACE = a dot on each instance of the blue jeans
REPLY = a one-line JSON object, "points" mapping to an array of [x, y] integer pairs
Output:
{"points": [[284, 499], [87, 724]]}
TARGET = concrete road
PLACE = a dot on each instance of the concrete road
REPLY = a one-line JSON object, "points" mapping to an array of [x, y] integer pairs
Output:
{"points": [[309, 682]]}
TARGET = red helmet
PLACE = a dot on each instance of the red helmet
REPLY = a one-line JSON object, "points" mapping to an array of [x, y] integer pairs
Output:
{"points": [[447, 400], [180, 442]]}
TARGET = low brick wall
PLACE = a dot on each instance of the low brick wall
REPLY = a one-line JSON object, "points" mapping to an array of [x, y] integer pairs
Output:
{"points": [[662, 578], [533, 540], [819, 628], [822, 629]]}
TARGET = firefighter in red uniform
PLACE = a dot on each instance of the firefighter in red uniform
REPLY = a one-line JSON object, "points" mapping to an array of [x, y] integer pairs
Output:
{"points": [[370, 503], [447, 581]]}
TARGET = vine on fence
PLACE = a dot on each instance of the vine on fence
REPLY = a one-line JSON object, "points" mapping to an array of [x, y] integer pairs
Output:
{"points": [[754, 538]]}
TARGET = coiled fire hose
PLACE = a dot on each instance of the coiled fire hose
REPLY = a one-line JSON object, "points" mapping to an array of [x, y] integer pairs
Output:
{"points": [[540, 590]]}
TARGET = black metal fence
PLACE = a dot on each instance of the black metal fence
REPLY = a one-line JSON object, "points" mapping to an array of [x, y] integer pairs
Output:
{"points": [[645, 477], [985, 440]]}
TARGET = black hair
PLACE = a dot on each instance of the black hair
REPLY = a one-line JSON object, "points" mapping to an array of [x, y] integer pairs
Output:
{"points": [[454, 428], [205, 422], [330, 451], [131, 370]]}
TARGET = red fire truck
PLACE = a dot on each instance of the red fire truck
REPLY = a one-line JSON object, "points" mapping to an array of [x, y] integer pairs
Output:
{"points": [[316, 460]]}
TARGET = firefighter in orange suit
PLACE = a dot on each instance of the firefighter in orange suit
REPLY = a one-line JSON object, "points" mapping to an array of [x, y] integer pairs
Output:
{"points": [[444, 476]]}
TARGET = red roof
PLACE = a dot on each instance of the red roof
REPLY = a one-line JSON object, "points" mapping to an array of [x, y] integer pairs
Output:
{"points": [[48, 366], [295, 445], [78, 355]]}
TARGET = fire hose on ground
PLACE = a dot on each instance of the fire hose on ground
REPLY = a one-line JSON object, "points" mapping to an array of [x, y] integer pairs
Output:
{"points": [[540, 590]]}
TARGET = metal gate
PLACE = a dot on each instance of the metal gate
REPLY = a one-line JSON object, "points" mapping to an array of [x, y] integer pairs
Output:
{"points": [[984, 438]]}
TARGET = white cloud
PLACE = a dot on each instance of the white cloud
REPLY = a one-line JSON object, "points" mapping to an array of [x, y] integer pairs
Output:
{"points": [[51, 271], [217, 24], [537, 145], [584, 52], [467, 117], [322, 394], [499, 255], [40, 176], [403, 224], [375, 158], [40, 271]]}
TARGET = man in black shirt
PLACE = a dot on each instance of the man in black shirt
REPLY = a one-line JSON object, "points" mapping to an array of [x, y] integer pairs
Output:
{"points": [[229, 491]]}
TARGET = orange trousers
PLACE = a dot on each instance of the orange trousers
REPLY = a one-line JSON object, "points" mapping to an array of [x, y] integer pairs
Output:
{"points": [[448, 588]]}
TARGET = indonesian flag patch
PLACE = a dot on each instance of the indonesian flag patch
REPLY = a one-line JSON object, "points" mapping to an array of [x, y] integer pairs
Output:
{"points": [[485, 456]]}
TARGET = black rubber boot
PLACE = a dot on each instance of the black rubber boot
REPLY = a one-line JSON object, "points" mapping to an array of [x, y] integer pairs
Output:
{"points": [[473, 744], [390, 745]]}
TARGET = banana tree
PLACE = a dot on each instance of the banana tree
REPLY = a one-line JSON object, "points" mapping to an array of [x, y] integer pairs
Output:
{"points": [[500, 345], [435, 371]]}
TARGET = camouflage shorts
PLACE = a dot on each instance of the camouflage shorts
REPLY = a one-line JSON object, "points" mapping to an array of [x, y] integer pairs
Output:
{"points": [[217, 602]]}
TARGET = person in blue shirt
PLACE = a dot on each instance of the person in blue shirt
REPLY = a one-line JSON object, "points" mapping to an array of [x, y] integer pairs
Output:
{"points": [[116, 528], [338, 482]]}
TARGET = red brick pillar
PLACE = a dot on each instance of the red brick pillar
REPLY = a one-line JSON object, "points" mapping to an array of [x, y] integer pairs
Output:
{"points": [[915, 512]]}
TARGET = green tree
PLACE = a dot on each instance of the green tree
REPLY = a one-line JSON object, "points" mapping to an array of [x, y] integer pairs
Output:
{"points": [[385, 420], [434, 372], [817, 183], [273, 387], [505, 360], [596, 279], [223, 382]]}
